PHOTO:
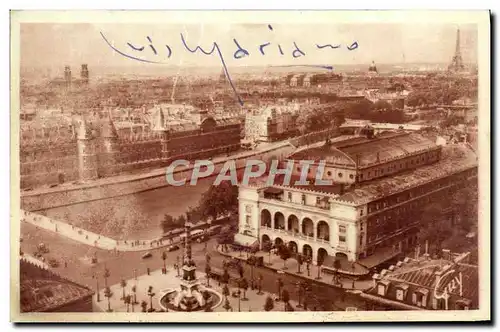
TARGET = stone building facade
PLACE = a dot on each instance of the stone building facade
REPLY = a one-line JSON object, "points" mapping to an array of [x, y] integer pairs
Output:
{"points": [[89, 150], [370, 212]]}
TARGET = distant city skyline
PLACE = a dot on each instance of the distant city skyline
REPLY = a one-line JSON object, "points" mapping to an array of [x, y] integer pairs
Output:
{"points": [[55, 45]]}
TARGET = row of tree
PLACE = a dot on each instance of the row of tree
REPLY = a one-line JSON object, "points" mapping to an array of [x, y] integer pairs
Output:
{"points": [[463, 207], [218, 201]]}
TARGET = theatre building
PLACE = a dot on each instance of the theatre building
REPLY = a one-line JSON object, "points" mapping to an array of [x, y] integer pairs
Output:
{"points": [[370, 213]]}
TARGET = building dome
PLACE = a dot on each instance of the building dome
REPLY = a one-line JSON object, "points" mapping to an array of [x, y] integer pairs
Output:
{"points": [[373, 68]]}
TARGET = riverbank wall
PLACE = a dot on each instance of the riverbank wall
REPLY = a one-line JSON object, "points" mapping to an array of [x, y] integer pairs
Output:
{"points": [[70, 194]]}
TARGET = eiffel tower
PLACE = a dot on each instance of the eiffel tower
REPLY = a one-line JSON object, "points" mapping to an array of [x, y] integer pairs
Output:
{"points": [[456, 64]]}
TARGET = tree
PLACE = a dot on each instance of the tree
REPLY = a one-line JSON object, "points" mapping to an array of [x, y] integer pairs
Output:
{"points": [[181, 220], [106, 276], [269, 304], [300, 261], [279, 283], [151, 294], [206, 297], [219, 200], [382, 105], [123, 284], [225, 291], [108, 294], [260, 278], [244, 285], [225, 277], [300, 292], [267, 246], [241, 271], [225, 238], [167, 223], [432, 228], [284, 253], [164, 258], [134, 290], [144, 306], [336, 265], [208, 270], [127, 301], [285, 297], [227, 305], [319, 263]]}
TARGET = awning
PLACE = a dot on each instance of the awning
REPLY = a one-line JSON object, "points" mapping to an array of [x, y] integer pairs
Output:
{"points": [[378, 257], [245, 240]]}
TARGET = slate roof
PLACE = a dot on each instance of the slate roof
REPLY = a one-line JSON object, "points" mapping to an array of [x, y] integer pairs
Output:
{"points": [[364, 151], [419, 276], [454, 158]]}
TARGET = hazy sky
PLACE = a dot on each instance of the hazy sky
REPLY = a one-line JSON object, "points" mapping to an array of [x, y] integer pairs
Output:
{"points": [[56, 45]]}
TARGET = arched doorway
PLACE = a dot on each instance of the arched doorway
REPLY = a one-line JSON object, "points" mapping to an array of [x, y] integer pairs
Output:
{"points": [[307, 227], [323, 230], [279, 220], [265, 239], [307, 251], [293, 223], [292, 245], [265, 218], [341, 256], [322, 255], [278, 241]]}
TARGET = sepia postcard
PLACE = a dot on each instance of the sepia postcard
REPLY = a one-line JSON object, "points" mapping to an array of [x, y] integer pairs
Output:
{"points": [[238, 166]]}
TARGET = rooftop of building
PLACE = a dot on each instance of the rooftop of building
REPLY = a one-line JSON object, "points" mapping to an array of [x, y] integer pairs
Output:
{"points": [[364, 151], [454, 158], [42, 290], [429, 275]]}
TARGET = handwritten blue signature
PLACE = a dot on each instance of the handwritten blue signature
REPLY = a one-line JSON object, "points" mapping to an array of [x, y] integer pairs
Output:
{"points": [[240, 53]]}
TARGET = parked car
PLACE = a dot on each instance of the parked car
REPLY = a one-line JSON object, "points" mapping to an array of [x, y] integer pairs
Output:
{"points": [[53, 262], [256, 260], [173, 247], [147, 255]]}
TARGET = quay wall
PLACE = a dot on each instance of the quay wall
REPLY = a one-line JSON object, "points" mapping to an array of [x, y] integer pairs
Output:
{"points": [[42, 199]]}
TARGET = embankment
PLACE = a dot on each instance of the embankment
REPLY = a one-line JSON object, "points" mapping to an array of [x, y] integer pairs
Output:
{"points": [[70, 194]]}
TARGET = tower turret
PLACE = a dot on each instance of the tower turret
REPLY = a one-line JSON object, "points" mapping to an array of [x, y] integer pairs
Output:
{"points": [[84, 74], [158, 126], [109, 140], [87, 153], [67, 76]]}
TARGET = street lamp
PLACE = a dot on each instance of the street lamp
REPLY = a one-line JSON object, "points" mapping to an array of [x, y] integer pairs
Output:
{"points": [[95, 276]]}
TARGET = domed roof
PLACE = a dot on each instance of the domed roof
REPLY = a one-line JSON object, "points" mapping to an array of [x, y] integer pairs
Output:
{"points": [[373, 67]]}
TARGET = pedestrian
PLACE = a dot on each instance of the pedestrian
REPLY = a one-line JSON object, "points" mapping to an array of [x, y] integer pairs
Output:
{"points": [[65, 264]]}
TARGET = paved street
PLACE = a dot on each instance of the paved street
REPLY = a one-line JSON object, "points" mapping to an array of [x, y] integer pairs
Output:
{"points": [[122, 265], [161, 282]]}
